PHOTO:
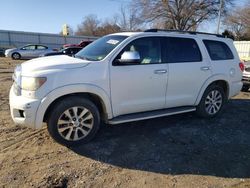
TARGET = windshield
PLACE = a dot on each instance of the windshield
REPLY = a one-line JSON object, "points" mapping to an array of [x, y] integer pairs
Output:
{"points": [[100, 48]]}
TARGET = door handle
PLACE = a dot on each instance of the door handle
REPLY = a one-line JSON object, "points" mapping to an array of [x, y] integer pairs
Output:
{"points": [[161, 71], [205, 68]]}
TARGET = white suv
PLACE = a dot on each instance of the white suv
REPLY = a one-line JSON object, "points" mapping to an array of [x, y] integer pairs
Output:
{"points": [[125, 77]]}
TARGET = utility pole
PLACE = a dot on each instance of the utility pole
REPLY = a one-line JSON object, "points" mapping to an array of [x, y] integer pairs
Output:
{"points": [[219, 17]]}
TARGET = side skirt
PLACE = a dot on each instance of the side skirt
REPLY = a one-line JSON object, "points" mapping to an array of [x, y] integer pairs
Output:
{"points": [[150, 115]]}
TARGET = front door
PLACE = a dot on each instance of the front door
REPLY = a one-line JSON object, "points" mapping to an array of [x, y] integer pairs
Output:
{"points": [[28, 51], [139, 86]]}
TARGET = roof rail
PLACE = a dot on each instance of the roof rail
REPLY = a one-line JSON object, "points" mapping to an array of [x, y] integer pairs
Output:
{"points": [[180, 31]]}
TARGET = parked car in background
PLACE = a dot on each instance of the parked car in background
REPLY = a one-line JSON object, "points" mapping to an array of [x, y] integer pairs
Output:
{"points": [[70, 51], [27, 52], [246, 76], [82, 44], [1, 52]]}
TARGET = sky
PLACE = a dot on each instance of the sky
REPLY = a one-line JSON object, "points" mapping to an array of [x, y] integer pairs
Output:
{"points": [[48, 16]]}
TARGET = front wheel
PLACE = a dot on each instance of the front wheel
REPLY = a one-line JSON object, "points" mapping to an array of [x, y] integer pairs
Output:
{"points": [[16, 56], [212, 102], [73, 121]]}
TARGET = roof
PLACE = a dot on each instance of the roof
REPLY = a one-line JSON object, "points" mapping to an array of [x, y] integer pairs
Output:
{"points": [[175, 32]]}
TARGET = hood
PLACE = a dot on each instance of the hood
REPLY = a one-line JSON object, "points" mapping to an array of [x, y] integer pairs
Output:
{"points": [[70, 45], [11, 49], [53, 62]]}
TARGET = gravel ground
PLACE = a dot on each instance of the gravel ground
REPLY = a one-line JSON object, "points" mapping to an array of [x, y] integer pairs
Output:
{"points": [[176, 151]]}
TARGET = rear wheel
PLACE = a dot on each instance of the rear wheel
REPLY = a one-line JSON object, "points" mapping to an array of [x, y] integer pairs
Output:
{"points": [[73, 121], [212, 102], [16, 56]]}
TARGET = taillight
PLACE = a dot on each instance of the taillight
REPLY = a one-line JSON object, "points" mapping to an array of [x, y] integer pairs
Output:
{"points": [[241, 65]]}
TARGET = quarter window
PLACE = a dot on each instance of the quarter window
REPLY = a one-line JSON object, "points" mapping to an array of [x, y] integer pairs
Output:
{"points": [[41, 47], [218, 50]]}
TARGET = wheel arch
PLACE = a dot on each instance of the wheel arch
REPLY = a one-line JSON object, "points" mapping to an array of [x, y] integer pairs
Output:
{"points": [[97, 95], [219, 80]]}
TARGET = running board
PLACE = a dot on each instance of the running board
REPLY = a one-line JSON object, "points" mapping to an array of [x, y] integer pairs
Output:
{"points": [[150, 115]]}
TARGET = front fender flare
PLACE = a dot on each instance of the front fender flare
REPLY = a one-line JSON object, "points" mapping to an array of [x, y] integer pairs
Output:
{"points": [[71, 89]]}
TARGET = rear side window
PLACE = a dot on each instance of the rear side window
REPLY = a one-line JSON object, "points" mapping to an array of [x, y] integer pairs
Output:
{"points": [[41, 47], [218, 50], [178, 50]]}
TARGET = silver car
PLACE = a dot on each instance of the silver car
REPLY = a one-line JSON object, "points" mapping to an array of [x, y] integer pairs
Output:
{"points": [[246, 77], [27, 52]]}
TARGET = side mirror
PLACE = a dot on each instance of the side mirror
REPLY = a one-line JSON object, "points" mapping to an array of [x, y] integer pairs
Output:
{"points": [[129, 57]]}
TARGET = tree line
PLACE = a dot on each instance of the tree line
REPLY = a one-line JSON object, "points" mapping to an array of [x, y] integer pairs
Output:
{"points": [[185, 15]]}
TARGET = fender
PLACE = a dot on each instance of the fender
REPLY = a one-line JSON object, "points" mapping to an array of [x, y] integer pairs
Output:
{"points": [[210, 80], [70, 89]]}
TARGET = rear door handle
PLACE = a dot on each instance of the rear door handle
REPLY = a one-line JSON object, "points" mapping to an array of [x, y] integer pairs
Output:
{"points": [[205, 68], [161, 71]]}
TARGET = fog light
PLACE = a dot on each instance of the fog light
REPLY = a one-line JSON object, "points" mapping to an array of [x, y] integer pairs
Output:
{"points": [[21, 113]]}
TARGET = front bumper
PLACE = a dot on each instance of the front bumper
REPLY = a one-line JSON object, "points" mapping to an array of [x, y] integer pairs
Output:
{"points": [[7, 54], [23, 110]]}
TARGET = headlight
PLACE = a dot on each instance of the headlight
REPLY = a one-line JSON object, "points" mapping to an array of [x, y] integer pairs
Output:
{"points": [[32, 83]]}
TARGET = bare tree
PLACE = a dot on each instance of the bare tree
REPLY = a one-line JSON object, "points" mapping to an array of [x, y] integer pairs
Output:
{"points": [[107, 28], [238, 22], [88, 26], [92, 26], [127, 19], [178, 14], [234, 23]]}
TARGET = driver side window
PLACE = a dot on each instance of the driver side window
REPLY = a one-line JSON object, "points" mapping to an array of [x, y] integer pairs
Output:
{"points": [[146, 50], [30, 47]]}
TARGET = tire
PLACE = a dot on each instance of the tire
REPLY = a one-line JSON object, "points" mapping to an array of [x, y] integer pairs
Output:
{"points": [[212, 102], [73, 121], [16, 56], [245, 88]]}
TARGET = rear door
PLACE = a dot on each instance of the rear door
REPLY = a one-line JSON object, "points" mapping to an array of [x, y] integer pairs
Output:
{"points": [[189, 68], [40, 49]]}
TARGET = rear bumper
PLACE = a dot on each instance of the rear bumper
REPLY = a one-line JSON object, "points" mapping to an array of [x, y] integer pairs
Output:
{"points": [[235, 88]]}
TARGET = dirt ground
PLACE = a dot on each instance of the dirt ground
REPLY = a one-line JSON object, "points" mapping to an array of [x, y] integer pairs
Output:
{"points": [[177, 151]]}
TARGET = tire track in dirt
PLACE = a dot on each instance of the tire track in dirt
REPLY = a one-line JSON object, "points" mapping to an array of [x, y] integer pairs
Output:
{"points": [[21, 140], [6, 79]]}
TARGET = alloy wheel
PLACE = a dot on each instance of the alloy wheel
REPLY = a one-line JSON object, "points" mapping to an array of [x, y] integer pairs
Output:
{"points": [[213, 102], [75, 123]]}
